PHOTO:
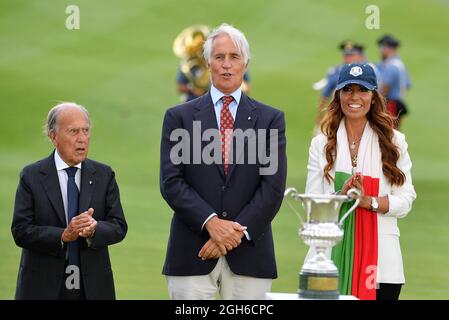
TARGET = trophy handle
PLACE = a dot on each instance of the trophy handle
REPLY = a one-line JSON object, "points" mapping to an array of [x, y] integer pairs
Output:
{"points": [[293, 191], [295, 195], [352, 194]]}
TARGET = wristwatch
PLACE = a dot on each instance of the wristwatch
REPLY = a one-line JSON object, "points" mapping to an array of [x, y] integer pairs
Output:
{"points": [[374, 204]]}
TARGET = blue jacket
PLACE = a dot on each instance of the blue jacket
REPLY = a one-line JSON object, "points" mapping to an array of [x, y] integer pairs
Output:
{"points": [[195, 191]]}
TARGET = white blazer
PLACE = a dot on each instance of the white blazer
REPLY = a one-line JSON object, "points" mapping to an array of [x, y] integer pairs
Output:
{"points": [[390, 267]]}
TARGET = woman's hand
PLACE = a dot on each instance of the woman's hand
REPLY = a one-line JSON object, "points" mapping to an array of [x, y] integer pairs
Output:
{"points": [[357, 182], [349, 184], [365, 202]]}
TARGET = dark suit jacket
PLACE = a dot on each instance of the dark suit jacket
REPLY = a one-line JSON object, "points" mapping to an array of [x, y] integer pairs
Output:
{"points": [[39, 221], [194, 191]]}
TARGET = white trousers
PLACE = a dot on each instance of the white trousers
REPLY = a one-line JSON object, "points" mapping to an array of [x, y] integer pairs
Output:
{"points": [[222, 280]]}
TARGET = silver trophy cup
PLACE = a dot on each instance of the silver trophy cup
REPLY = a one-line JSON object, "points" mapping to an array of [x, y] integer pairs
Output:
{"points": [[321, 231]]}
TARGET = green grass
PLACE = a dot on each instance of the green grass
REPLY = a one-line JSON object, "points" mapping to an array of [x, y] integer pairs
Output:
{"points": [[121, 67]]}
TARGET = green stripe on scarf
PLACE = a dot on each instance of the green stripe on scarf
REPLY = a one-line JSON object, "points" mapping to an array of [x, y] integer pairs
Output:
{"points": [[343, 253]]}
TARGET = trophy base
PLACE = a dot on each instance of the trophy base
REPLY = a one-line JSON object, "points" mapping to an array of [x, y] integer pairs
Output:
{"points": [[318, 285]]}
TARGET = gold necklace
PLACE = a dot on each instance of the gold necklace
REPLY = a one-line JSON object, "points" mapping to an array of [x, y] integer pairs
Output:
{"points": [[354, 163], [353, 143], [354, 160]]}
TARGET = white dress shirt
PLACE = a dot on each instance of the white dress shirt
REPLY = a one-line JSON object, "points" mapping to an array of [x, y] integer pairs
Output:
{"points": [[64, 178], [216, 96]]}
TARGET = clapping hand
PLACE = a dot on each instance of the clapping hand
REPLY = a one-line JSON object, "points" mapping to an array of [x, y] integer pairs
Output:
{"points": [[82, 225], [89, 231]]}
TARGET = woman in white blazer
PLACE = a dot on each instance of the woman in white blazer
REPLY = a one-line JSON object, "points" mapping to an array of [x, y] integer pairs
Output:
{"points": [[359, 148]]}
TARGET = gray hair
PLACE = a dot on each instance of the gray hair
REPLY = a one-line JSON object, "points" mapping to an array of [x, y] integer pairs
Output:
{"points": [[52, 124], [236, 36]]}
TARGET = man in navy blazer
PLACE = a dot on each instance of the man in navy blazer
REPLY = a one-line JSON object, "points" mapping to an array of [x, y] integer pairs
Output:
{"points": [[43, 225], [220, 238]]}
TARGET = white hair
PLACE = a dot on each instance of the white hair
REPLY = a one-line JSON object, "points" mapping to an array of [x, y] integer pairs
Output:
{"points": [[236, 36], [53, 116]]}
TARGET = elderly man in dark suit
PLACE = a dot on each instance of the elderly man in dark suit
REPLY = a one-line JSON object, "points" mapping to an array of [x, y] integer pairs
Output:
{"points": [[220, 238], [67, 212]]}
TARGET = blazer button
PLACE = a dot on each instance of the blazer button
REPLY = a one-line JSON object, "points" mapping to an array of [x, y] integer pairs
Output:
{"points": [[224, 214], [223, 188]]}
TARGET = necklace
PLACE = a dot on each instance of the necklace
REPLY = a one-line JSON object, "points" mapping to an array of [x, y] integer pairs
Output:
{"points": [[353, 150], [353, 143], [354, 163], [353, 153], [354, 160]]}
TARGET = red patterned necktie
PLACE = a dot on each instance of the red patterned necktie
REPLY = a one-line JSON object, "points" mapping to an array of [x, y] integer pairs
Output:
{"points": [[226, 129]]}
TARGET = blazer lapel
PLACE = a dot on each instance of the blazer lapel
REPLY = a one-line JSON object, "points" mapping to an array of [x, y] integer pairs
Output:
{"points": [[50, 182], [244, 119], [206, 116], [88, 183]]}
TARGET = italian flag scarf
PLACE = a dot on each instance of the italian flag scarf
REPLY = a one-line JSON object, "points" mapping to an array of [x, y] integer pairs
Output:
{"points": [[356, 255]]}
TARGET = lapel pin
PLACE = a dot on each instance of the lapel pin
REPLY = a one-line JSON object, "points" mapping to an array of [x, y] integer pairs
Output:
{"points": [[90, 182], [249, 118]]}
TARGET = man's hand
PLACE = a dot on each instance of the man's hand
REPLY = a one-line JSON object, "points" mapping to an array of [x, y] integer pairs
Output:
{"points": [[224, 232], [78, 224], [89, 231], [211, 250]]}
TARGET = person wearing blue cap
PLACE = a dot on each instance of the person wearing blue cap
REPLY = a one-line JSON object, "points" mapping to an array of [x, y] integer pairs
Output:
{"points": [[394, 76], [352, 52], [359, 148]]}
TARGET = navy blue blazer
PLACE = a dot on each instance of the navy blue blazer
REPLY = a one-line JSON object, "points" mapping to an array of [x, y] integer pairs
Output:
{"points": [[195, 191]]}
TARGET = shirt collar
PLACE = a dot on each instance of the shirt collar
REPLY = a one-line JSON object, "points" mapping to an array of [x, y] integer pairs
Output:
{"points": [[217, 94], [396, 56], [60, 164]]}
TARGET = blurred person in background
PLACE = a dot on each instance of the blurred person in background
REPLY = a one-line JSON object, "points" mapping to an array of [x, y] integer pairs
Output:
{"points": [[395, 78]]}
